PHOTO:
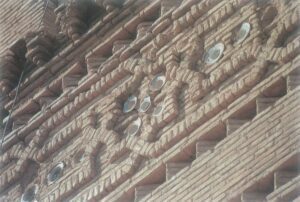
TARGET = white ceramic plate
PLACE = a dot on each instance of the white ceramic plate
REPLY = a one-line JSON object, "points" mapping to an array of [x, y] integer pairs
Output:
{"points": [[157, 82], [243, 32], [130, 104], [134, 127], [145, 104], [214, 53]]}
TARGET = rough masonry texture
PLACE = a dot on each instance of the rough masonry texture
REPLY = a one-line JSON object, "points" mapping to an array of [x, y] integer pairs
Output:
{"points": [[139, 100]]}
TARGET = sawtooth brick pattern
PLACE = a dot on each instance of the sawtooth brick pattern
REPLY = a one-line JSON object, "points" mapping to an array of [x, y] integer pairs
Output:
{"points": [[247, 156]]}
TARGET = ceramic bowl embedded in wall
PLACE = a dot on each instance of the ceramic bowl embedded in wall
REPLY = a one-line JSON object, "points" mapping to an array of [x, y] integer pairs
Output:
{"points": [[243, 32], [145, 104], [214, 53], [30, 194], [130, 104], [56, 172], [157, 82], [5, 120], [158, 110], [134, 127]]}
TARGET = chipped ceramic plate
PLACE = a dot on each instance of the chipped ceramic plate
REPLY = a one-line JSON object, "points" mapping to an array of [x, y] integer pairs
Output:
{"points": [[243, 32], [145, 104], [130, 104], [157, 82], [134, 127], [214, 53]]}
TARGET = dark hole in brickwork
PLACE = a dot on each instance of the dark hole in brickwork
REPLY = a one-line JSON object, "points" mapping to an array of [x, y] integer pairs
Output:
{"points": [[268, 15], [288, 37], [55, 173], [29, 195], [278, 89]]}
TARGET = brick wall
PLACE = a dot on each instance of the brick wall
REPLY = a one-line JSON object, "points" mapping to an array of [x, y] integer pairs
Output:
{"points": [[245, 159], [19, 17]]}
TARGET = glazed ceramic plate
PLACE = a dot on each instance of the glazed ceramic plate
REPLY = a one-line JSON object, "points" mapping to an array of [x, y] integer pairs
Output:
{"points": [[243, 32], [214, 53], [157, 82], [130, 104], [145, 104], [134, 127]]}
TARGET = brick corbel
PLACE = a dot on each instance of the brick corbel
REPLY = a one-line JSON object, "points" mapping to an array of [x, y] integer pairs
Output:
{"points": [[40, 47], [11, 66], [109, 5], [71, 19], [277, 52]]}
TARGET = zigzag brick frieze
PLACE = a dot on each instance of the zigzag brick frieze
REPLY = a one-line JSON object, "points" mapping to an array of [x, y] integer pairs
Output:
{"points": [[78, 115]]}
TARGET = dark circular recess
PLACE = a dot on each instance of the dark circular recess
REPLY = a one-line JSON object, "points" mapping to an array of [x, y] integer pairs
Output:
{"points": [[30, 194], [55, 173]]}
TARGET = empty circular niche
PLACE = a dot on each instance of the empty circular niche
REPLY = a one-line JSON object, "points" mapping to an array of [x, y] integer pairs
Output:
{"points": [[214, 53], [56, 172], [80, 156], [157, 82], [30, 194], [243, 32], [158, 110], [134, 127], [145, 104], [130, 104]]}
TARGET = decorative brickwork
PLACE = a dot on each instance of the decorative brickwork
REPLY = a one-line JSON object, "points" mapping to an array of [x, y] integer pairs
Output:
{"points": [[154, 101]]}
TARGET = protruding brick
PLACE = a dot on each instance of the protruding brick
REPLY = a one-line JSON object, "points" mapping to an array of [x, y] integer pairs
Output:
{"points": [[204, 146], [142, 191], [120, 45], [93, 63], [166, 5], [282, 177], [234, 124], [292, 82], [253, 197], [173, 168], [263, 103], [70, 81], [143, 28]]}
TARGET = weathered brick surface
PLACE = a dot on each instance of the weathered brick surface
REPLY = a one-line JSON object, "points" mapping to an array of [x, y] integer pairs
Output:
{"points": [[247, 156], [227, 131], [19, 17]]}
